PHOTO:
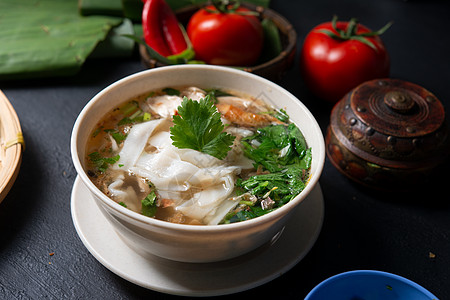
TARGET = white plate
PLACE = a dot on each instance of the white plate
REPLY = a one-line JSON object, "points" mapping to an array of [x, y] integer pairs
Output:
{"points": [[190, 279]]}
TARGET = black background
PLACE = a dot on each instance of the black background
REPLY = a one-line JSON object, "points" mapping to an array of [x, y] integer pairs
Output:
{"points": [[363, 229]]}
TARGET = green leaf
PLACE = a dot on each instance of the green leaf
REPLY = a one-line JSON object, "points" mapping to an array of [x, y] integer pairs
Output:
{"points": [[132, 9], [117, 136], [198, 126], [272, 40], [280, 115], [284, 185], [100, 7], [242, 215], [283, 152], [171, 91], [279, 145], [47, 37], [115, 44], [214, 93], [149, 205], [297, 138], [102, 163], [305, 163]]}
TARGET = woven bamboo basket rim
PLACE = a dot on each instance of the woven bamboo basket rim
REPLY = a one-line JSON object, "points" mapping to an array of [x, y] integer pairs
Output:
{"points": [[11, 146], [275, 68]]}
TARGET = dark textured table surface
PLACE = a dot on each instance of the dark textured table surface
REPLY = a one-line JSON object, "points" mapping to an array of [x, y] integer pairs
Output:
{"points": [[42, 257]]}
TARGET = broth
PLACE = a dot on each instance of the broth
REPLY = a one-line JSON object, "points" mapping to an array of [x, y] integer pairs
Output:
{"points": [[131, 158]]}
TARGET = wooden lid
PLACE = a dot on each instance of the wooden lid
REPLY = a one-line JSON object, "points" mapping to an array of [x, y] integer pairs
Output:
{"points": [[397, 108], [11, 146], [390, 121], [388, 133]]}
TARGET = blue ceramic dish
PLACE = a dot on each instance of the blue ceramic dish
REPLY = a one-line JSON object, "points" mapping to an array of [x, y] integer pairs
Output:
{"points": [[369, 285]]}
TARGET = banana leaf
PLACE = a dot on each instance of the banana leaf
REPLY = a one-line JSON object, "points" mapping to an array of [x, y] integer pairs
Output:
{"points": [[99, 7], [177, 4], [116, 44], [47, 37], [132, 9]]}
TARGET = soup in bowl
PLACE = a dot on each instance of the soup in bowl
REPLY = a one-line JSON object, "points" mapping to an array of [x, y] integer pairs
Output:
{"points": [[197, 163]]}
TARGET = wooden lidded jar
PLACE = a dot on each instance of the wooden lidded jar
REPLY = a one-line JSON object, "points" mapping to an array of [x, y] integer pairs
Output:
{"points": [[388, 134]]}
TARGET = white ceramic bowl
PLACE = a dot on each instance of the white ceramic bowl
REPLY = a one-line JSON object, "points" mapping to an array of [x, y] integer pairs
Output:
{"points": [[181, 242]]}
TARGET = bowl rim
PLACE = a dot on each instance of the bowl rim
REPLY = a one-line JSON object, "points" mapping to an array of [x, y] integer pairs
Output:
{"points": [[278, 213], [356, 273]]}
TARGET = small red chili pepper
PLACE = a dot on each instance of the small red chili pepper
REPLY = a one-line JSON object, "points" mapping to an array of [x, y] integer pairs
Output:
{"points": [[161, 29]]}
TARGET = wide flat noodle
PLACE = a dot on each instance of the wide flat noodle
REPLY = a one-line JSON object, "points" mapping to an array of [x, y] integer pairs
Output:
{"points": [[198, 184], [167, 105], [135, 143]]}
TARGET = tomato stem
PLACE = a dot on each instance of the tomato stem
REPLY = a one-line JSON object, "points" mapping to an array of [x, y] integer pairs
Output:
{"points": [[229, 7], [350, 32]]}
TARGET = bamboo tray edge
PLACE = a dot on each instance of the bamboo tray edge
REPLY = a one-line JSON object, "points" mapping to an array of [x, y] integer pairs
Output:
{"points": [[11, 146]]}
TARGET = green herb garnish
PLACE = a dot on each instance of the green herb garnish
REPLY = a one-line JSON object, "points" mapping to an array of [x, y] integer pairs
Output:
{"points": [[198, 126], [129, 107], [171, 91], [102, 163], [117, 136], [149, 205], [285, 159], [279, 145], [214, 93], [283, 185], [135, 118], [133, 114], [280, 115]]}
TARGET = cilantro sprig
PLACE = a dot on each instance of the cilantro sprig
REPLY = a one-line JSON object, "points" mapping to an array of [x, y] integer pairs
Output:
{"points": [[198, 126], [285, 158]]}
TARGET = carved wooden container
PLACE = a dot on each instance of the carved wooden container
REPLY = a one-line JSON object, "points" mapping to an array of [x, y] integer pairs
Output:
{"points": [[388, 134]]}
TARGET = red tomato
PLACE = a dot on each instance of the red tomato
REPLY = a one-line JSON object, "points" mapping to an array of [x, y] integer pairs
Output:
{"points": [[230, 39], [332, 66]]}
